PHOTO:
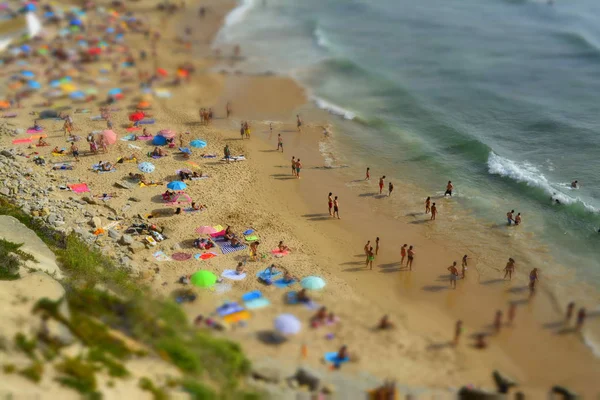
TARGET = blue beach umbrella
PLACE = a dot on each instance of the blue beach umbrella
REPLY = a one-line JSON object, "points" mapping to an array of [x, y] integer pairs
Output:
{"points": [[27, 74], [28, 7], [26, 48], [77, 95], [312, 283], [287, 324], [34, 85], [159, 140], [185, 150], [75, 22], [48, 14], [146, 167], [176, 185], [114, 91], [198, 143], [110, 29], [55, 83]]}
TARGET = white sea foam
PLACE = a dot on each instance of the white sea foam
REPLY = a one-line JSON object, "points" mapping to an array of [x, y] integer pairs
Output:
{"points": [[321, 38], [529, 174], [34, 26], [333, 109], [4, 43], [238, 14]]}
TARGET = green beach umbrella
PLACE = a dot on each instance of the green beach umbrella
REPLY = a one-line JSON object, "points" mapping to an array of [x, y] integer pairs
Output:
{"points": [[313, 283], [203, 278]]}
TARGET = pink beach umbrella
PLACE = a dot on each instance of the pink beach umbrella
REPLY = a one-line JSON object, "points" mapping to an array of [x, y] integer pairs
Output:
{"points": [[167, 133], [205, 230], [110, 137]]}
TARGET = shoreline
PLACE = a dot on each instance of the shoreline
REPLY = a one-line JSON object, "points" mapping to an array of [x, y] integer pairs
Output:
{"points": [[260, 194]]}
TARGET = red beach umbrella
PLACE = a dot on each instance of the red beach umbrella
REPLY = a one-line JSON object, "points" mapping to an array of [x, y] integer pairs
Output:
{"points": [[136, 116], [94, 51], [162, 72], [110, 137]]}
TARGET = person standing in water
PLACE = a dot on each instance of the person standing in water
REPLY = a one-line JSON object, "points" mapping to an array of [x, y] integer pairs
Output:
{"points": [[390, 188], [279, 142], [449, 188], [411, 258], [299, 123], [453, 274], [457, 332], [427, 205], [518, 219], [330, 204], [509, 269], [464, 266], [336, 208], [403, 254], [570, 309], [377, 245], [298, 168], [433, 212], [293, 166], [509, 217], [533, 279], [381, 183], [581, 315], [368, 174]]}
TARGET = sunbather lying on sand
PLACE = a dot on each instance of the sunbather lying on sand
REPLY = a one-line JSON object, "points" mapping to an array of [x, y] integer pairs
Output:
{"points": [[240, 269], [196, 206], [283, 247], [385, 323], [320, 317], [158, 152], [105, 166], [62, 167], [56, 150], [42, 142]]}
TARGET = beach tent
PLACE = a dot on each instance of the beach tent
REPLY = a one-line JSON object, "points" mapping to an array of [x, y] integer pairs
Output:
{"points": [[146, 167], [198, 143], [287, 324], [167, 133], [176, 185], [110, 137], [203, 278], [180, 198], [159, 140]]}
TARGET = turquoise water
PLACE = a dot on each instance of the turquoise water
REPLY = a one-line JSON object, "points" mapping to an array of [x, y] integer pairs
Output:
{"points": [[502, 97]]}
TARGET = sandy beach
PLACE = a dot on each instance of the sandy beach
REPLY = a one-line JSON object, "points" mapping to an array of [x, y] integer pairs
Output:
{"points": [[260, 193]]}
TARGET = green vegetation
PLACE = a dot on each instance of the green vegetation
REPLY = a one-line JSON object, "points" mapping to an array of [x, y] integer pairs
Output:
{"points": [[106, 304], [26, 346], [157, 393], [11, 258], [9, 368], [33, 372]]}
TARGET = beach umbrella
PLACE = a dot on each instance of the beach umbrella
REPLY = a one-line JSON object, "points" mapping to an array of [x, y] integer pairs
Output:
{"points": [[185, 150], [110, 137], [203, 278], [312, 283], [159, 140], [25, 48], [76, 22], [205, 230], [136, 116], [162, 72], [77, 95], [94, 51], [34, 85], [110, 29], [287, 324], [198, 143], [167, 133], [28, 7], [27, 74], [146, 167], [144, 104], [68, 87], [176, 185], [114, 91]]}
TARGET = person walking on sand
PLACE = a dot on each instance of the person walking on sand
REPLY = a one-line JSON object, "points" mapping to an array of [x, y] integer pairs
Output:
{"points": [[581, 315], [403, 254], [381, 183], [368, 174], [75, 151], [498, 321], [453, 274], [330, 204], [411, 258], [279, 142], [227, 153], [509, 269], [509, 217], [390, 188], [370, 258], [336, 208], [299, 123], [247, 129], [293, 166], [570, 309], [449, 188], [458, 329], [518, 219], [512, 312], [228, 109], [242, 130], [533, 279], [298, 168], [427, 205], [377, 245], [433, 212], [464, 266], [367, 247]]}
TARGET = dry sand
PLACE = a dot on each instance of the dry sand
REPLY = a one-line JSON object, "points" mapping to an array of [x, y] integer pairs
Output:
{"points": [[260, 193]]}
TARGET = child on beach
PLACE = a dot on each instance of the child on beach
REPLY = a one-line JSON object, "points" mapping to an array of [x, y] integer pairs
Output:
{"points": [[381, 183], [427, 205], [457, 332], [368, 174], [377, 246], [390, 188], [403, 254], [279, 142], [299, 123], [509, 269]]}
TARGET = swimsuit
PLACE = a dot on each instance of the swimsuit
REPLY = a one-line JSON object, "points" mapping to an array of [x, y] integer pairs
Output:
{"points": [[448, 191]]}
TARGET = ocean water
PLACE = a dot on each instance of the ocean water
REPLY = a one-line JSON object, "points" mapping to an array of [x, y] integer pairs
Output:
{"points": [[502, 97]]}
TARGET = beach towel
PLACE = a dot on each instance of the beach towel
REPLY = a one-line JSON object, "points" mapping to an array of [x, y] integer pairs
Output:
{"points": [[97, 118], [220, 288], [229, 308], [282, 283], [235, 158], [96, 167], [147, 122], [332, 357], [266, 277], [227, 248], [218, 233], [161, 256], [130, 137], [133, 128], [64, 166], [258, 303], [253, 295], [33, 130], [230, 274], [205, 256], [209, 156], [193, 164], [219, 228], [133, 146], [38, 136], [21, 141], [9, 115], [191, 210], [84, 111], [237, 317], [251, 238], [198, 178], [181, 256], [145, 137], [59, 154], [79, 187], [279, 253], [144, 185], [163, 94]]}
